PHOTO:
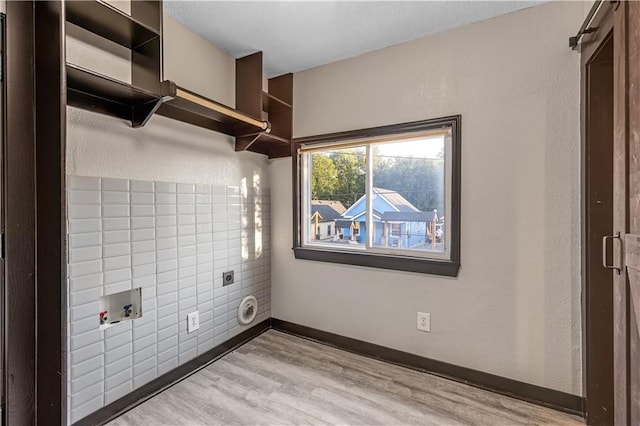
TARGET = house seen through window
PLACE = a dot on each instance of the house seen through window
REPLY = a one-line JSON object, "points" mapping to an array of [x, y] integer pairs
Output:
{"points": [[388, 195]]}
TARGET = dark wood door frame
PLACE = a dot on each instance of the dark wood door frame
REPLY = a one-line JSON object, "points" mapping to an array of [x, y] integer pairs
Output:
{"points": [[33, 169], [51, 231], [597, 216], [597, 76]]}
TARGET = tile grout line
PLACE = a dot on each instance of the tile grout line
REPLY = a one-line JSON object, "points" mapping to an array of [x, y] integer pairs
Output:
{"points": [[103, 397], [155, 273], [131, 272]]}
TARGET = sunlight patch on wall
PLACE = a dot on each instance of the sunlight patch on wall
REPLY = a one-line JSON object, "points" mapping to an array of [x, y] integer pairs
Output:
{"points": [[257, 220]]}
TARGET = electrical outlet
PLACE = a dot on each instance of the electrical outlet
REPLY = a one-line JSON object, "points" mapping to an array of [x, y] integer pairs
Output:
{"points": [[227, 278], [193, 321], [424, 321]]}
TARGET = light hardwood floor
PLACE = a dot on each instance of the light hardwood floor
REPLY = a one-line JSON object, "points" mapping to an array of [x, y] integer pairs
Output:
{"points": [[278, 379]]}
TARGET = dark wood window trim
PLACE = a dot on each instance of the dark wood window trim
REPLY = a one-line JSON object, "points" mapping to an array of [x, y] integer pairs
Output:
{"points": [[397, 262]]}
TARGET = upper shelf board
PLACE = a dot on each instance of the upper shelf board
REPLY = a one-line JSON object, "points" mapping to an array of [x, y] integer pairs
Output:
{"points": [[105, 95], [269, 102], [82, 80], [106, 21]]}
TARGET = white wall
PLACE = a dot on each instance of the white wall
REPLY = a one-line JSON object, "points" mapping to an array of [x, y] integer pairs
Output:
{"points": [[163, 150], [195, 64], [514, 309]]}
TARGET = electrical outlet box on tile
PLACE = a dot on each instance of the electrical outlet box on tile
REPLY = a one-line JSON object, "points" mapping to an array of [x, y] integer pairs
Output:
{"points": [[120, 307], [227, 278], [193, 321]]}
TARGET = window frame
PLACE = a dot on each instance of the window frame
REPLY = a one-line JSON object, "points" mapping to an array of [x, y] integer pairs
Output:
{"points": [[396, 229], [445, 267]]}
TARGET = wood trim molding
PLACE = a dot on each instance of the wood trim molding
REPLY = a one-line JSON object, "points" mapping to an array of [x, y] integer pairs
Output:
{"points": [[140, 395], [539, 395], [51, 232], [19, 200], [444, 268], [34, 299], [597, 178]]}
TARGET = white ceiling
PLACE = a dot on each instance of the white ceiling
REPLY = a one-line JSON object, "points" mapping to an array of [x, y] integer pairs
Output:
{"points": [[298, 35]]}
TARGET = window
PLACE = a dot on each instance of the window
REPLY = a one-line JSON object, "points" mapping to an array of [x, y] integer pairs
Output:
{"points": [[392, 193]]}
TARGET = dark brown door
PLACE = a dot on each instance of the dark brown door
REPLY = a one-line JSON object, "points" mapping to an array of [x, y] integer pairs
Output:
{"points": [[627, 212]]}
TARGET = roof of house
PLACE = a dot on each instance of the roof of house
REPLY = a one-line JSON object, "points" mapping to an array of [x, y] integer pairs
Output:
{"points": [[397, 200], [408, 216], [361, 217], [328, 210], [392, 198]]}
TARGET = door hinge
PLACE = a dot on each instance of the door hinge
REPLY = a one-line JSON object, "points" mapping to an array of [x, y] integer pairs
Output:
{"points": [[2, 254]]}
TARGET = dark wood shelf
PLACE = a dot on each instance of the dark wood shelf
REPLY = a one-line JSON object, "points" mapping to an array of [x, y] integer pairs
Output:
{"points": [[137, 102], [270, 102], [188, 107], [276, 101], [108, 22], [265, 143], [98, 93], [98, 85], [272, 138]]}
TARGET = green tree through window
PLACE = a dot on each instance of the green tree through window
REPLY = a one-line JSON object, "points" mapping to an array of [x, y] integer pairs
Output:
{"points": [[324, 179], [339, 176]]}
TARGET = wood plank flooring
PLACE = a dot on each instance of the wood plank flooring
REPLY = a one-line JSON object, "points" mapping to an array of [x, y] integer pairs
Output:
{"points": [[278, 379]]}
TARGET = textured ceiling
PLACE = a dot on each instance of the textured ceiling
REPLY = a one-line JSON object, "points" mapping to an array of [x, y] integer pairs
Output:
{"points": [[299, 35]]}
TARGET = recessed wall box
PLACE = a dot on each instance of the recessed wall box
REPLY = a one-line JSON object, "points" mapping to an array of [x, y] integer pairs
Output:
{"points": [[119, 307], [227, 278]]}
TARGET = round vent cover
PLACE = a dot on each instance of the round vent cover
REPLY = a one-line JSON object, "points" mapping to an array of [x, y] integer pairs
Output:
{"points": [[247, 310]]}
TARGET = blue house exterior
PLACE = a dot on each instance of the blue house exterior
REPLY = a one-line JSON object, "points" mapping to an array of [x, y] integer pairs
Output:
{"points": [[397, 222]]}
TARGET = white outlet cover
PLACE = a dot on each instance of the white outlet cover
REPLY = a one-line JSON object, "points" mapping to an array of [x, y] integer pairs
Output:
{"points": [[193, 321], [424, 321]]}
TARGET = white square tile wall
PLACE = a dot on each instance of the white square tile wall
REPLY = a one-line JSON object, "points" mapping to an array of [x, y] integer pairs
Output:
{"points": [[174, 240]]}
